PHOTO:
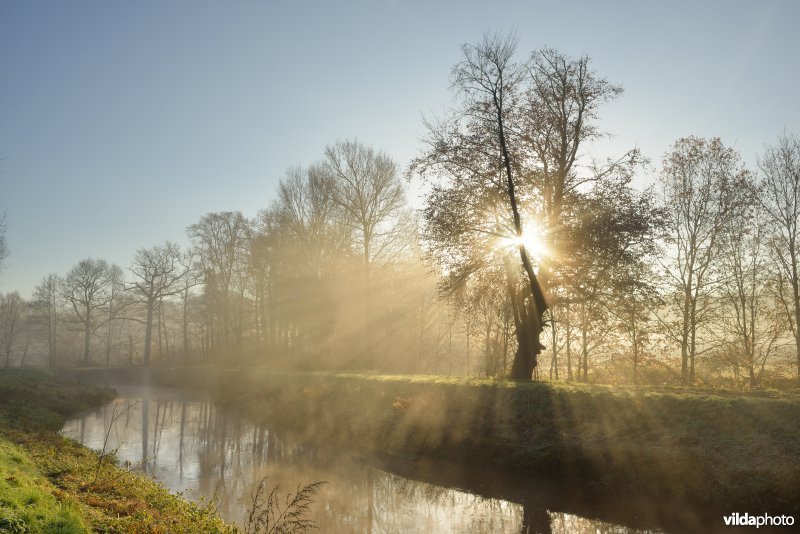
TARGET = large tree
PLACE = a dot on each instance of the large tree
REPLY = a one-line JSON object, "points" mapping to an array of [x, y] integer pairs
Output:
{"points": [[476, 147], [501, 166]]}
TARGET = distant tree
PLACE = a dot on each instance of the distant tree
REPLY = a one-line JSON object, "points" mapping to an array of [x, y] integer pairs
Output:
{"points": [[302, 243], [3, 243], [592, 333], [705, 187], [366, 187], [46, 302], [191, 277], [369, 195], [157, 273], [86, 288], [12, 309], [751, 323], [780, 183], [633, 305], [221, 241], [611, 233], [118, 302], [306, 214]]}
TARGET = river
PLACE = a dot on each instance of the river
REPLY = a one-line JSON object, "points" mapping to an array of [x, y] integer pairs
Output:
{"points": [[194, 446]]}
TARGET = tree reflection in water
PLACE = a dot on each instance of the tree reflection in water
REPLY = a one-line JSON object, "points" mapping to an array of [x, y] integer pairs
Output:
{"points": [[191, 445]]}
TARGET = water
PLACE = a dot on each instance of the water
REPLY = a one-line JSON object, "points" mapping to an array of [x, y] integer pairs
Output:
{"points": [[193, 446]]}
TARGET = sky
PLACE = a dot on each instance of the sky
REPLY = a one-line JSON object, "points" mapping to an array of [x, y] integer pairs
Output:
{"points": [[122, 123]]}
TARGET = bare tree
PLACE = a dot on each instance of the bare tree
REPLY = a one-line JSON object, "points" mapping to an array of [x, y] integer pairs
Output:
{"points": [[3, 243], [704, 186], [307, 214], [46, 301], [302, 244], [86, 288], [12, 307], [221, 240], [560, 105], [509, 153], [191, 278], [475, 146], [367, 190], [780, 183], [365, 185], [117, 304], [751, 324], [157, 272]]}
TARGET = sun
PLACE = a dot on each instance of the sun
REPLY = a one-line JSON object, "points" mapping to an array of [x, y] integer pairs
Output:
{"points": [[533, 238]]}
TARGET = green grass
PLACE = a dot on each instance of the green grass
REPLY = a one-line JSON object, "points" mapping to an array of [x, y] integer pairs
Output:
{"points": [[38, 400], [118, 500], [50, 484], [27, 503]]}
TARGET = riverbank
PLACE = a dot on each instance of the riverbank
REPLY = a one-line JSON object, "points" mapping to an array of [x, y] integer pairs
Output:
{"points": [[50, 484], [720, 451]]}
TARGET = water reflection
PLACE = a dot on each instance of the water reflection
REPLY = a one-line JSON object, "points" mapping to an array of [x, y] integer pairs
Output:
{"points": [[191, 445]]}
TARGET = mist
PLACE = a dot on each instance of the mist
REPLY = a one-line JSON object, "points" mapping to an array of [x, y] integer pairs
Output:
{"points": [[513, 326]]}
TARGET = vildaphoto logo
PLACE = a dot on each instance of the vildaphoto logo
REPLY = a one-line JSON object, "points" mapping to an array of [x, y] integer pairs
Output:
{"points": [[764, 520]]}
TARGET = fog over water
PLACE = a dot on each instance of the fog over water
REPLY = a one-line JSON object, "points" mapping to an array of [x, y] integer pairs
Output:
{"points": [[195, 447]]}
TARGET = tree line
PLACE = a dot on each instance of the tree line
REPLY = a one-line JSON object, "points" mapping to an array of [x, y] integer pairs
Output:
{"points": [[329, 276], [527, 259]]}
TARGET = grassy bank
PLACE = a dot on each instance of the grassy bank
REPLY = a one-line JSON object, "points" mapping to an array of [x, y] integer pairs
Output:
{"points": [[720, 451], [717, 450], [50, 484]]}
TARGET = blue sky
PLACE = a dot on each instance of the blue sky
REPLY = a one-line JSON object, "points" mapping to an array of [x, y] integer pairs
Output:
{"points": [[121, 123]]}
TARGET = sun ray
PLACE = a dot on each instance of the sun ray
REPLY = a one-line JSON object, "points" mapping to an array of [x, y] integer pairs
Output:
{"points": [[533, 238]]}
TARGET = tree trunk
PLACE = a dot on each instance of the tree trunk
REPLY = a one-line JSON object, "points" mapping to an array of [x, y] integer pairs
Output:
{"points": [[796, 291], [522, 366], [257, 310], [530, 329], [86, 335], [635, 350], [186, 326], [685, 327], [148, 333], [569, 336], [160, 309], [466, 368], [693, 341], [553, 335], [108, 341], [585, 344]]}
